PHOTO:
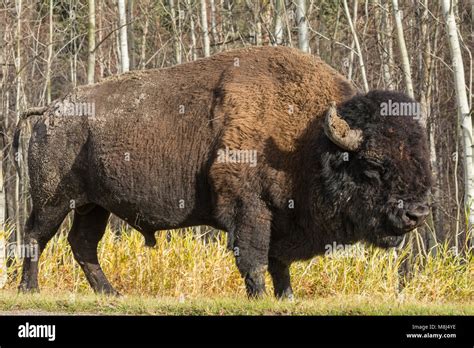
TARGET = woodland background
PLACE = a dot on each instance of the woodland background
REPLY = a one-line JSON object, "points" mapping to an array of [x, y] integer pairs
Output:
{"points": [[48, 47]]}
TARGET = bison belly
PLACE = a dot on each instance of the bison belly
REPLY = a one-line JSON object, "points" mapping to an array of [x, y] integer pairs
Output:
{"points": [[151, 173]]}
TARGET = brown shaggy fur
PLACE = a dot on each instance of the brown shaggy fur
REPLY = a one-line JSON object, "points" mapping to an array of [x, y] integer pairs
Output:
{"points": [[150, 156]]}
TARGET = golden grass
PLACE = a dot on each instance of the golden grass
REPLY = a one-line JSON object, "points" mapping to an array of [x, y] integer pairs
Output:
{"points": [[187, 267]]}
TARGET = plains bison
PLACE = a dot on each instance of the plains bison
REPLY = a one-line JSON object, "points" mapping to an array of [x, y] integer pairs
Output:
{"points": [[268, 144]]}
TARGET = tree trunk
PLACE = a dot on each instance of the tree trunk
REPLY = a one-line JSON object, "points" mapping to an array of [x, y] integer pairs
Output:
{"points": [[143, 44], [426, 67], [385, 36], [124, 60], [278, 33], [73, 57], [50, 53], [463, 109], [205, 30], [351, 54], [130, 36], [258, 24], [91, 43], [18, 229], [192, 30], [303, 41], [215, 39], [100, 51], [176, 33], [403, 49], [356, 42]]}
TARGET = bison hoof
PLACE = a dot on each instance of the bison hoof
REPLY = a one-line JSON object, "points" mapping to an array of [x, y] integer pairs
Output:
{"points": [[255, 293], [27, 289], [113, 293], [108, 291], [285, 294], [255, 285]]}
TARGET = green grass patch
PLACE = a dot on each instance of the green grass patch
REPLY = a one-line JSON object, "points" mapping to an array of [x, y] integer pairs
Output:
{"points": [[12, 303]]}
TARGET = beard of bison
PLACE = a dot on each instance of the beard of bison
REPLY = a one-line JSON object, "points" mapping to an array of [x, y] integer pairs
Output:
{"points": [[377, 190]]}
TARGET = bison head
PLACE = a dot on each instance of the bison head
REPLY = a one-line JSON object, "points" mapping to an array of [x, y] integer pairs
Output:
{"points": [[375, 168]]}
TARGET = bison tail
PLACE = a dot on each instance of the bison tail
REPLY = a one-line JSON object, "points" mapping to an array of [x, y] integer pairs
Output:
{"points": [[36, 111], [15, 145]]}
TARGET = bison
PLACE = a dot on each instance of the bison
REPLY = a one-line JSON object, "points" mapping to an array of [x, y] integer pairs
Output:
{"points": [[269, 144]]}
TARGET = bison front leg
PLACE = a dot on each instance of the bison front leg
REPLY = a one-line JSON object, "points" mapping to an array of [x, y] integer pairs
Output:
{"points": [[251, 245], [280, 272], [86, 232]]}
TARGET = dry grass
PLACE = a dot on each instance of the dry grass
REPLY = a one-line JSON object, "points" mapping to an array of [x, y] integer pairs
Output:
{"points": [[187, 267]]}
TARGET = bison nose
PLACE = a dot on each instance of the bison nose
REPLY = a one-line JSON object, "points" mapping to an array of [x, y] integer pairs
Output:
{"points": [[414, 216]]}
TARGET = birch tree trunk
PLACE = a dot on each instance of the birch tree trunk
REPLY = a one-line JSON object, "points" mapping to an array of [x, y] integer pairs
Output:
{"points": [[130, 35], [99, 49], [215, 39], [403, 49], [351, 54], [50, 54], [91, 43], [278, 33], [192, 30], [463, 108], [472, 12], [73, 57], [176, 33], [302, 22], [124, 60], [426, 67], [385, 35], [180, 18], [18, 231], [356, 42], [144, 37], [118, 57], [205, 30], [258, 24], [229, 19]]}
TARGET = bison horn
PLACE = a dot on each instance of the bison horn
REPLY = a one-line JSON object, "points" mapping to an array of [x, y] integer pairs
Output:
{"points": [[339, 132]]}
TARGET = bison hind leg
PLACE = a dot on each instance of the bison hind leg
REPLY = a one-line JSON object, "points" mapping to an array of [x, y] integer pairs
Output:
{"points": [[40, 227], [87, 230]]}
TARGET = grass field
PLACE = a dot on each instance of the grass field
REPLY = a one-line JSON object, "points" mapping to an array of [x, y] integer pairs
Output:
{"points": [[70, 303], [185, 274]]}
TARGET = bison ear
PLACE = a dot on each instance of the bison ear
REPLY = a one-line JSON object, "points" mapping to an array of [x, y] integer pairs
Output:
{"points": [[339, 132]]}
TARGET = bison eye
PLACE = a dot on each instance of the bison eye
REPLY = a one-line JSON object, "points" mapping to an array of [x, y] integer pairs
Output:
{"points": [[375, 169], [375, 163], [373, 175]]}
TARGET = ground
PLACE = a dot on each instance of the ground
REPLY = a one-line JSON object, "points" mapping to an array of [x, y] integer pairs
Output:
{"points": [[12, 303]]}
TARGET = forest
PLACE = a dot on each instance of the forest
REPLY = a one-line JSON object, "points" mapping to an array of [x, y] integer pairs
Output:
{"points": [[420, 47]]}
